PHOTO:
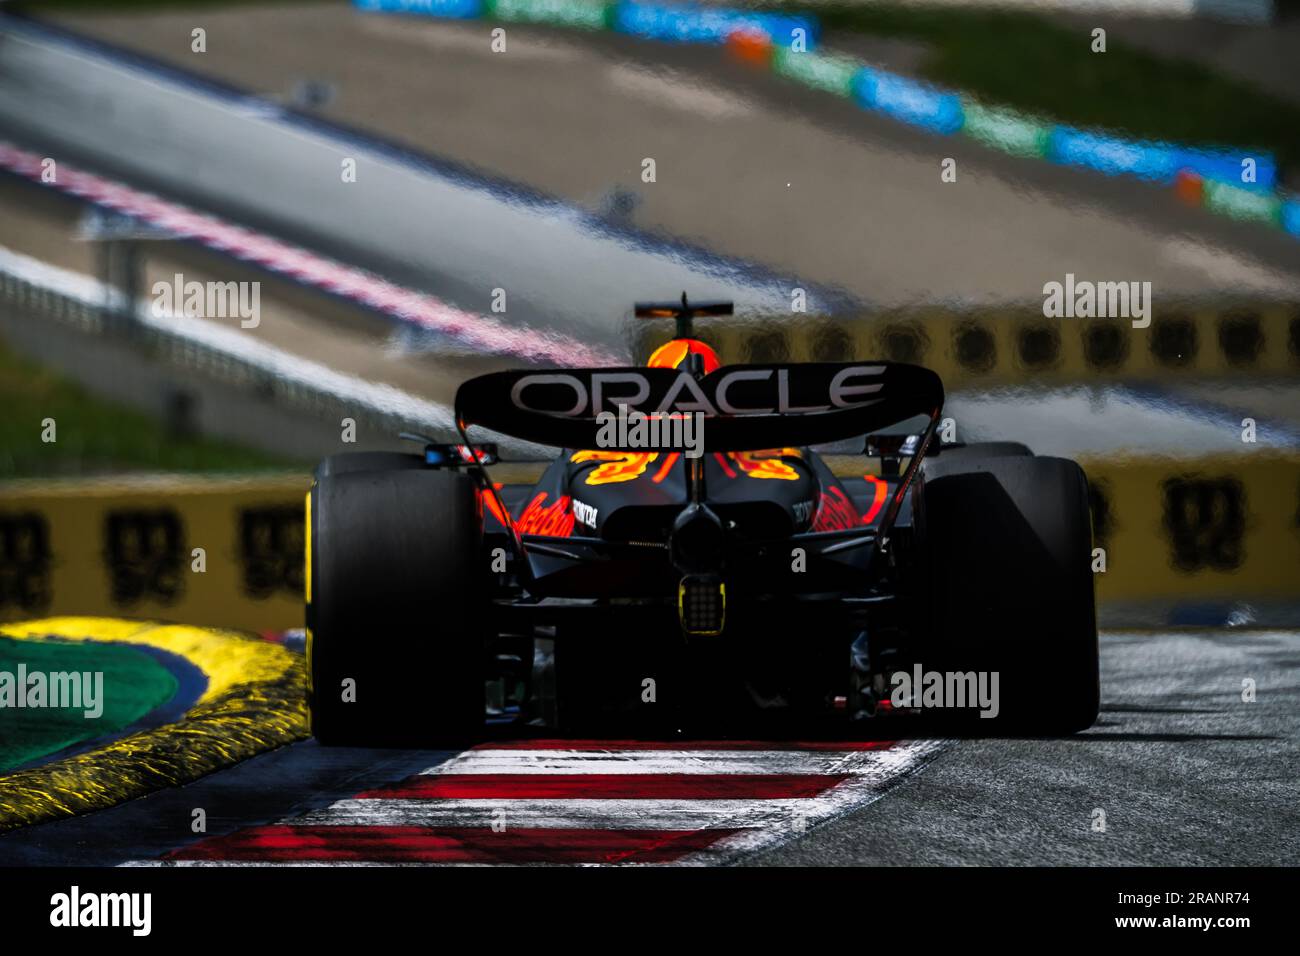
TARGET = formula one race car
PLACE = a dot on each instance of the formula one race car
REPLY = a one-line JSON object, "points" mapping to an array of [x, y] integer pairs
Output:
{"points": [[689, 565]]}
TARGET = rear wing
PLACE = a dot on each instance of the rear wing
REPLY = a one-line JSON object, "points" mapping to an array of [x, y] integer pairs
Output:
{"points": [[684, 312], [671, 310], [735, 408]]}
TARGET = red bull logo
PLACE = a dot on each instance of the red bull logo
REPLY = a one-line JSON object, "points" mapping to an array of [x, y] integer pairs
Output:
{"points": [[555, 519]]}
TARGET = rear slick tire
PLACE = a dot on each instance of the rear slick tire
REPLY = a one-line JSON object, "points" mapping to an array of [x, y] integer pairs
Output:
{"points": [[396, 596], [1009, 548]]}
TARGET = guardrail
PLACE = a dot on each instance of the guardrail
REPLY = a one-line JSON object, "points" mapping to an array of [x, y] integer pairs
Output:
{"points": [[227, 358]]}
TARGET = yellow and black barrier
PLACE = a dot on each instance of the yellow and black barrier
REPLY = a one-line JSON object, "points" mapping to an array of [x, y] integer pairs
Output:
{"points": [[1007, 346], [1221, 527], [1213, 528], [255, 700], [211, 551]]}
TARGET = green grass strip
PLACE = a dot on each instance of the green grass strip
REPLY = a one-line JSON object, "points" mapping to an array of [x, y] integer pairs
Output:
{"points": [[1026, 62], [92, 435]]}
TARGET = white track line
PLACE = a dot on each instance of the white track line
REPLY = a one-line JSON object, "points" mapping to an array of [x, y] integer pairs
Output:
{"points": [[656, 762], [285, 366], [415, 308], [564, 814]]}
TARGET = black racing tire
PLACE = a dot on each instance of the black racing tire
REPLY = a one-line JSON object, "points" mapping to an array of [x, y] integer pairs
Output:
{"points": [[351, 461], [1008, 544], [959, 457], [396, 597]]}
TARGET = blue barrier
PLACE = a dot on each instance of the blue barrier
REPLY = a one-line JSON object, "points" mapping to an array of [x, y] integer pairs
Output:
{"points": [[908, 100], [1158, 162], [1111, 155], [1226, 167], [1291, 216], [692, 24], [456, 9]]}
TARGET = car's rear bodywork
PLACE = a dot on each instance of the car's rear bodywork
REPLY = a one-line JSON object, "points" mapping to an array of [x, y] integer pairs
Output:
{"points": [[687, 548], [615, 522]]}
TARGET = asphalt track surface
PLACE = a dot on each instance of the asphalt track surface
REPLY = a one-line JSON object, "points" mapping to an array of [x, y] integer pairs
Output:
{"points": [[1184, 770]]}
